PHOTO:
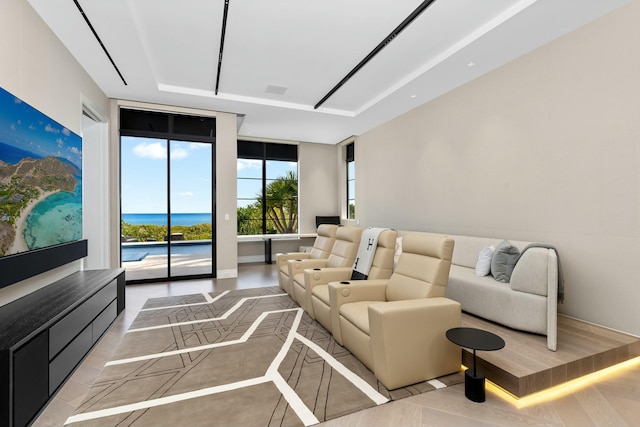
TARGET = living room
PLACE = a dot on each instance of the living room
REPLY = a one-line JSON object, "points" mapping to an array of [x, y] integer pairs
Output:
{"points": [[542, 148]]}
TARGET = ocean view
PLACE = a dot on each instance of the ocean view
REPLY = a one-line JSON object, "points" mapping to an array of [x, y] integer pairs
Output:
{"points": [[161, 219]]}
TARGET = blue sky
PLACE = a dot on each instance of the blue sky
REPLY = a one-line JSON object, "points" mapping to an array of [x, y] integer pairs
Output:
{"points": [[144, 176], [24, 127], [250, 174]]}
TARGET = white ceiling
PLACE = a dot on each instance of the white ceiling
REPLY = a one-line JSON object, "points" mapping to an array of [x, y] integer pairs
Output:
{"points": [[167, 52]]}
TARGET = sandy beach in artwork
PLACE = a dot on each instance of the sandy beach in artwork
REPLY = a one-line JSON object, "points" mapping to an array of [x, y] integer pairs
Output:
{"points": [[19, 245]]}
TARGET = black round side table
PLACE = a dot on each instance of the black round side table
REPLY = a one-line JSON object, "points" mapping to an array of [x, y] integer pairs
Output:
{"points": [[475, 339]]}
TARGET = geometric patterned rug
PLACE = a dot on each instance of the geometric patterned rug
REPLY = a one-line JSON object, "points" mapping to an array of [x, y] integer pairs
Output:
{"points": [[248, 357]]}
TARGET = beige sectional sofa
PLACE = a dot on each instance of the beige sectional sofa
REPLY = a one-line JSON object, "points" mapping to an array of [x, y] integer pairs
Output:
{"points": [[528, 302]]}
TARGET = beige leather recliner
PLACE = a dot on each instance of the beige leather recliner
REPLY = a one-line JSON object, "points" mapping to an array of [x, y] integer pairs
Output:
{"points": [[397, 327], [321, 250], [317, 281], [343, 254]]}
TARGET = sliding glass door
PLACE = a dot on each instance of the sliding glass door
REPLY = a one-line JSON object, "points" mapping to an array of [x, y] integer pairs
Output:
{"points": [[191, 222], [166, 203], [144, 207]]}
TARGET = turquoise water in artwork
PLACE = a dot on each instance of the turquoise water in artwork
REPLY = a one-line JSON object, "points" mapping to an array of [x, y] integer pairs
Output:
{"points": [[57, 219]]}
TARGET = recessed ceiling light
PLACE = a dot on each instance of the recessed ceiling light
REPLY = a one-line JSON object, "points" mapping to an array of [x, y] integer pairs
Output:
{"points": [[412, 96], [471, 64]]}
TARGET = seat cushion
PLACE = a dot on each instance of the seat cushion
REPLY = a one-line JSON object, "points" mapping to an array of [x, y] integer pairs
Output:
{"points": [[357, 313]]}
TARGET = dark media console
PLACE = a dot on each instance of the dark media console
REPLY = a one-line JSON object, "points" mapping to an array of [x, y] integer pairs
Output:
{"points": [[46, 334]]}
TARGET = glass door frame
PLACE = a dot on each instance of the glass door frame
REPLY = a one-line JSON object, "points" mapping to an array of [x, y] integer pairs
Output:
{"points": [[168, 137]]}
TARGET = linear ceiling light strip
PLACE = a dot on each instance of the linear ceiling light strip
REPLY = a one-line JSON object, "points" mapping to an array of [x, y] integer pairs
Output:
{"points": [[224, 30], [86, 19], [408, 20]]}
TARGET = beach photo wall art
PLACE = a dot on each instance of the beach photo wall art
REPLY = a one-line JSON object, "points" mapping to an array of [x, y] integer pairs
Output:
{"points": [[40, 179]]}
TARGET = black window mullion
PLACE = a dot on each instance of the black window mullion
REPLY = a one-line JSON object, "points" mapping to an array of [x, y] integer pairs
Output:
{"points": [[350, 158], [169, 207], [264, 189], [350, 152]]}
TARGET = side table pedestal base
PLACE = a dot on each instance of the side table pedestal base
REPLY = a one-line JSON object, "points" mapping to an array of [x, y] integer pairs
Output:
{"points": [[474, 386]]}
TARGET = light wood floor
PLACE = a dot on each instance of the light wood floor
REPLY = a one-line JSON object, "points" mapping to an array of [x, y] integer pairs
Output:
{"points": [[525, 365], [611, 401]]}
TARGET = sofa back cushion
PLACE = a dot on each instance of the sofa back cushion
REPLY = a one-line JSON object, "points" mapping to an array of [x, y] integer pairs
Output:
{"points": [[382, 265], [324, 241], [423, 267], [345, 247]]}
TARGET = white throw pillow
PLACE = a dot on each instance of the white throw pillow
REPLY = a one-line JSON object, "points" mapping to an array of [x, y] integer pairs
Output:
{"points": [[483, 266]]}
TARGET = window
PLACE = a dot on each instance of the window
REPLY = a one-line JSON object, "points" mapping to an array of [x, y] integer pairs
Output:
{"points": [[267, 188], [351, 181]]}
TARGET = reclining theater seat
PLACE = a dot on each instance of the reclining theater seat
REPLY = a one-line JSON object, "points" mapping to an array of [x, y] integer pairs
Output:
{"points": [[316, 282], [343, 254], [397, 327], [321, 249]]}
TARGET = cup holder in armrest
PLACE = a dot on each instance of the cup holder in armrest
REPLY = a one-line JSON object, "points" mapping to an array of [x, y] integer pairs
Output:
{"points": [[345, 283], [317, 269]]}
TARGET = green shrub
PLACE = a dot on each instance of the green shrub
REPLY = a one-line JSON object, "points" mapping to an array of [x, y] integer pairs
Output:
{"points": [[146, 232]]}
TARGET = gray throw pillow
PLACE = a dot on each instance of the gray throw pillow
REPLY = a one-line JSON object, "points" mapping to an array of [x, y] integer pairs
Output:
{"points": [[503, 260]]}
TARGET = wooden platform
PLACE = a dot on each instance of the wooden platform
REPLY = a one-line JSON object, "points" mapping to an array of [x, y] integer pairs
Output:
{"points": [[525, 365]]}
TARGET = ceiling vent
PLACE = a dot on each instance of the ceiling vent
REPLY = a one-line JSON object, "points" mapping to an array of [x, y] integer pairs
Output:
{"points": [[276, 90]]}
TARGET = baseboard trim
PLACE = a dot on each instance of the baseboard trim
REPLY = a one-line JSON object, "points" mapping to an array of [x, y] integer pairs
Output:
{"points": [[251, 259], [227, 274]]}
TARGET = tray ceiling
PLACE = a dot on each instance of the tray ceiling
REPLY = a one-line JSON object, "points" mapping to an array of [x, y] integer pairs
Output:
{"points": [[281, 57]]}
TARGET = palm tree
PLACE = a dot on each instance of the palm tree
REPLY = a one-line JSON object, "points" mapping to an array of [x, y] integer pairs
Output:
{"points": [[249, 220], [282, 203]]}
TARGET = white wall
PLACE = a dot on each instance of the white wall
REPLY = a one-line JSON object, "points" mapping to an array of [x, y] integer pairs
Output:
{"points": [[226, 195], [95, 196], [546, 148], [318, 183], [38, 69]]}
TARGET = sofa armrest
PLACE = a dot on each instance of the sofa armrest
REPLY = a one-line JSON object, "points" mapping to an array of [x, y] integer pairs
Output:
{"points": [[552, 302], [530, 273], [321, 276], [352, 291], [314, 277], [284, 279], [297, 266], [283, 258], [408, 340], [536, 272]]}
